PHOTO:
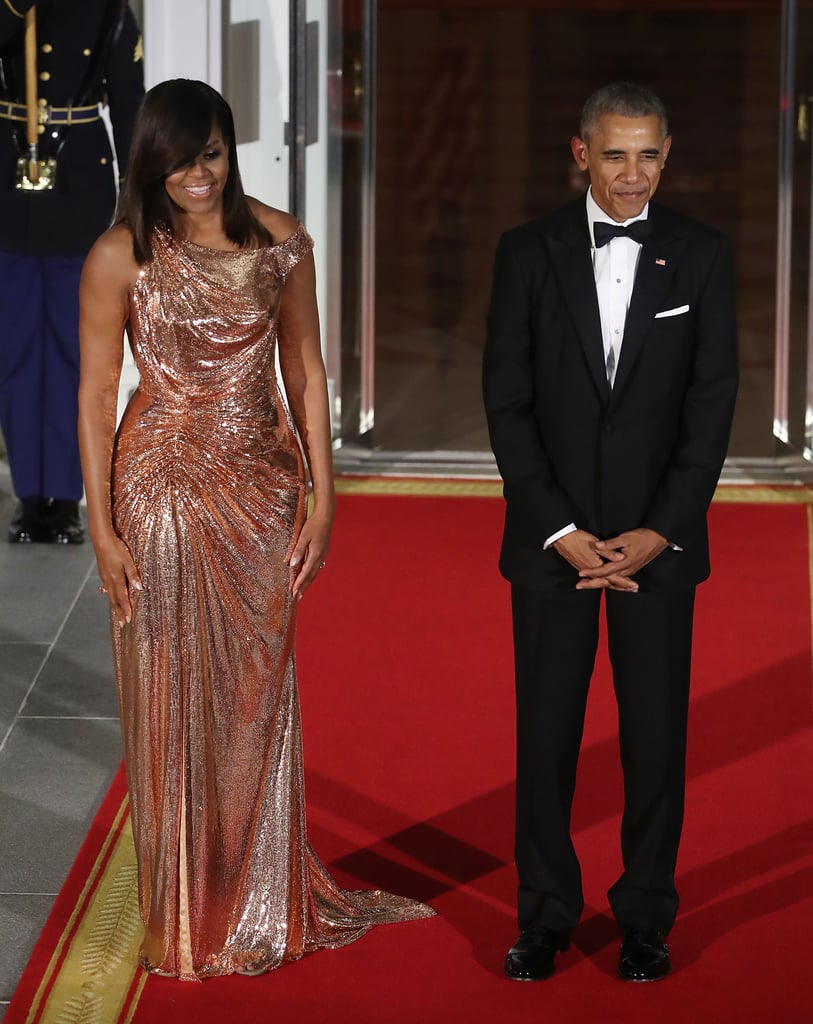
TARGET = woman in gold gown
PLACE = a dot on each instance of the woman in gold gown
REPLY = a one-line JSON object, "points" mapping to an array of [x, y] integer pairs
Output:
{"points": [[197, 513]]}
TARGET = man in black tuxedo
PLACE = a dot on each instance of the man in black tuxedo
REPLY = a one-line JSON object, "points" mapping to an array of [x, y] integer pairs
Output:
{"points": [[610, 375]]}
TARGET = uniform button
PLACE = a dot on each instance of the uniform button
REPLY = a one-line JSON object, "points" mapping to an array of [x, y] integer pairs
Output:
{"points": [[40, 128], [42, 102], [86, 52], [47, 48], [103, 160]]}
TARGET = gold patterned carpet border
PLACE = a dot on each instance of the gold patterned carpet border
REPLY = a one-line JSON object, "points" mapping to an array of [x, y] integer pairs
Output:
{"points": [[471, 488], [93, 975]]}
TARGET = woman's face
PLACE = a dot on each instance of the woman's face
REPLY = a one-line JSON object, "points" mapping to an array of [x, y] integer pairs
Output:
{"points": [[198, 187]]}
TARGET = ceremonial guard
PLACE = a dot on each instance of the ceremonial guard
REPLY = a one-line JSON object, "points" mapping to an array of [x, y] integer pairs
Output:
{"points": [[60, 62]]}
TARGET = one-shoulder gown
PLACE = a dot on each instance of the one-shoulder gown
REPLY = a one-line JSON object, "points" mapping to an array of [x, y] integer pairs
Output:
{"points": [[209, 494]]}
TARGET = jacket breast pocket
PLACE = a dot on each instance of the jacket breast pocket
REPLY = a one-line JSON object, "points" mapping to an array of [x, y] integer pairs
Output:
{"points": [[675, 311]]}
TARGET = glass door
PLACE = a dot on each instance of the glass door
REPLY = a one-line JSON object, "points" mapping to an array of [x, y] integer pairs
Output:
{"points": [[351, 208], [299, 78], [476, 105], [409, 134], [793, 390], [276, 63]]}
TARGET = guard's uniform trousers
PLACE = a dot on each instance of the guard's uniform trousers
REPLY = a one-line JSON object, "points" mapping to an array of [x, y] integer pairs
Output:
{"points": [[39, 372]]}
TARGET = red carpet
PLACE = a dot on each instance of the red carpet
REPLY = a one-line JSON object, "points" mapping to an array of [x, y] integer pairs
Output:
{"points": [[405, 676]]}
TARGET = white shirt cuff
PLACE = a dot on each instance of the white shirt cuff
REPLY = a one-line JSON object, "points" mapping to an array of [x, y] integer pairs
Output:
{"points": [[570, 528]]}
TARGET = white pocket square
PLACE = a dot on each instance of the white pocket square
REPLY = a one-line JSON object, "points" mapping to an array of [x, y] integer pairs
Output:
{"points": [[673, 312]]}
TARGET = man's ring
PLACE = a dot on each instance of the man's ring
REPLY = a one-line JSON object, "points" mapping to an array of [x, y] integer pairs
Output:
{"points": [[102, 590]]}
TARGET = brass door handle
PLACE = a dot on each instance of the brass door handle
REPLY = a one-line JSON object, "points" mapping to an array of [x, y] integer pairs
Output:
{"points": [[803, 118]]}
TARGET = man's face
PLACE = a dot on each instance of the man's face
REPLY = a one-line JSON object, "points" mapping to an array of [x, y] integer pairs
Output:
{"points": [[625, 157]]}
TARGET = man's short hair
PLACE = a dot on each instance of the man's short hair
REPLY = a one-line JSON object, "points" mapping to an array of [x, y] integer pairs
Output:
{"points": [[624, 99]]}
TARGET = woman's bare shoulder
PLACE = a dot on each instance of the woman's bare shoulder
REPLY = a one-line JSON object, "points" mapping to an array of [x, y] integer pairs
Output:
{"points": [[280, 224], [116, 242], [112, 257]]}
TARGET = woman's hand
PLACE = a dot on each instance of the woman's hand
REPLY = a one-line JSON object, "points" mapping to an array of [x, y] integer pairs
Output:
{"points": [[309, 554], [120, 579]]}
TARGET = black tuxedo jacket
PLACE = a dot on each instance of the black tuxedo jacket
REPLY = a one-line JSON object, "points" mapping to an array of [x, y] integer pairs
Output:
{"points": [[646, 453]]}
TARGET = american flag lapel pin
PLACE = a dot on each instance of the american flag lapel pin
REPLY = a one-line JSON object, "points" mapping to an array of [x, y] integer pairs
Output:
{"points": [[660, 263]]}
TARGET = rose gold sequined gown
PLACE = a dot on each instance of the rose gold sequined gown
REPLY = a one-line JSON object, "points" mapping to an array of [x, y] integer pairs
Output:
{"points": [[209, 494]]}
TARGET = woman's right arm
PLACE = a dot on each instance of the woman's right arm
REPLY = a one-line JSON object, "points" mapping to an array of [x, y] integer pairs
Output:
{"points": [[104, 305]]}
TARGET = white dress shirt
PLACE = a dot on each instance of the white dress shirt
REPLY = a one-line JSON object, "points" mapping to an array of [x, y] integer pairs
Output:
{"points": [[614, 267]]}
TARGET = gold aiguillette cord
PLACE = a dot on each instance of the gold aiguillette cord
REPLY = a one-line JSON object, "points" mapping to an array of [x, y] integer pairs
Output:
{"points": [[31, 105]]}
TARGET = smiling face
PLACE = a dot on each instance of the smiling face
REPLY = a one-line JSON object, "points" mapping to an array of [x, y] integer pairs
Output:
{"points": [[198, 187], [624, 157]]}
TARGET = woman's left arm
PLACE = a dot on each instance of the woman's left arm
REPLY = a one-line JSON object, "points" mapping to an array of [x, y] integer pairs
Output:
{"points": [[303, 372]]}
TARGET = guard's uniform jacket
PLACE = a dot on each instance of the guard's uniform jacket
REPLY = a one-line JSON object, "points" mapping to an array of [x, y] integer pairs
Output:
{"points": [[73, 38]]}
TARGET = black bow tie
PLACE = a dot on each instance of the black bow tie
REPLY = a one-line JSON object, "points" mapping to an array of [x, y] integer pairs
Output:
{"points": [[638, 231]]}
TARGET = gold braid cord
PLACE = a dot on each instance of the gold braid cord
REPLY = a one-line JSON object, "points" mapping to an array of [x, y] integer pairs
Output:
{"points": [[13, 10], [32, 110]]}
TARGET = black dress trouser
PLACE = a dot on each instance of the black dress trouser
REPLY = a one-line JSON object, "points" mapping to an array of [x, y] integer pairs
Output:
{"points": [[555, 641]]}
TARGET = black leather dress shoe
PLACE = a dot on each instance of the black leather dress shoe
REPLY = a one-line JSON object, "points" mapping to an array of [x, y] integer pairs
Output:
{"points": [[532, 956], [28, 524], [65, 522], [644, 956]]}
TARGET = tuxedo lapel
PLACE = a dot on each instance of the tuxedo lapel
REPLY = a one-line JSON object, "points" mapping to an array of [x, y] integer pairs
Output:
{"points": [[569, 248], [656, 266]]}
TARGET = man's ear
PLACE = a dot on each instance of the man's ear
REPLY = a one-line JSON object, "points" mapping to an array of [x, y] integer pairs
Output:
{"points": [[667, 145], [578, 147]]}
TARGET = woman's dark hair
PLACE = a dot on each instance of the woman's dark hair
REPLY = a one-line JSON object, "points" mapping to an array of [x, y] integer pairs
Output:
{"points": [[173, 125]]}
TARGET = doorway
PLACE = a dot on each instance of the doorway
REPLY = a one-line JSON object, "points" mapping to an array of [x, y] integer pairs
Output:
{"points": [[430, 127], [476, 105]]}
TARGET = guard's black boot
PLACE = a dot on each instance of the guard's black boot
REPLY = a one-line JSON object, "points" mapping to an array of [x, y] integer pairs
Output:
{"points": [[28, 525], [65, 522]]}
